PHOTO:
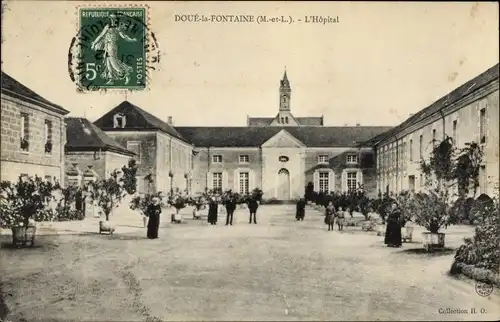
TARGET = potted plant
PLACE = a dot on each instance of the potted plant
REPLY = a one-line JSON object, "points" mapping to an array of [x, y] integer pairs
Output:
{"points": [[142, 203], [22, 204], [405, 201], [431, 212], [197, 202], [48, 146], [107, 193], [178, 200]]}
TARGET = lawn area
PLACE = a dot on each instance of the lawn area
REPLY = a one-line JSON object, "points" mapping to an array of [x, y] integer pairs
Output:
{"points": [[279, 269]]}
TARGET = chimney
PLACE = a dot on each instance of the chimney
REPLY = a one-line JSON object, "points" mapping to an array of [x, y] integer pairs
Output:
{"points": [[170, 122]]}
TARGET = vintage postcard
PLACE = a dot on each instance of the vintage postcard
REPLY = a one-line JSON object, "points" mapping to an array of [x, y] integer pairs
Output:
{"points": [[249, 161]]}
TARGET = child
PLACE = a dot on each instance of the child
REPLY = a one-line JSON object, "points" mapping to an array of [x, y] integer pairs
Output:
{"points": [[340, 218]]}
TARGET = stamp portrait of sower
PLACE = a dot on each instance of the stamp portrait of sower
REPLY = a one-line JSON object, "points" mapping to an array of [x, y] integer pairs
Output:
{"points": [[112, 48], [114, 68]]}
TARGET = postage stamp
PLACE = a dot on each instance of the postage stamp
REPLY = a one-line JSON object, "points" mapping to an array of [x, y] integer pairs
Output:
{"points": [[114, 49]]}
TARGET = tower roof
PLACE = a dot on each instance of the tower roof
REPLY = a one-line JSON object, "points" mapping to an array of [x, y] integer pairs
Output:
{"points": [[284, 82]]}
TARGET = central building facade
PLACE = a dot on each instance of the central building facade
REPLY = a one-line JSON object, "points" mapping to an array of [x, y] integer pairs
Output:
{"points": [[280, 154]]}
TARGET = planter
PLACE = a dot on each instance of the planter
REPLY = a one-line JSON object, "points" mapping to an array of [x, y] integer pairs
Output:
{"points": [[407, 234], [381, 230], [145, 220], [368, 225], [23, 235], [433, 241], [176, 218], [106, 226]]}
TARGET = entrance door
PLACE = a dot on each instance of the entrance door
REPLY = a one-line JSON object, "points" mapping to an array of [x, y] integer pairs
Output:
{"points": [[283, 185]]}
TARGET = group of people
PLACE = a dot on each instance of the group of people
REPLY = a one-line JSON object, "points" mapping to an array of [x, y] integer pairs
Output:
{"points": [[393, 236], [213, 209], [332, 216]]}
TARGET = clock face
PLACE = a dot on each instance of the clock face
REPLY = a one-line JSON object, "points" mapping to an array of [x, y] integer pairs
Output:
{"points": [[284, 99]]}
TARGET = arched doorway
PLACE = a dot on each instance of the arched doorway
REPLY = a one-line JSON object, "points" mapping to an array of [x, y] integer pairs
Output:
{"points": [[283, 185]]}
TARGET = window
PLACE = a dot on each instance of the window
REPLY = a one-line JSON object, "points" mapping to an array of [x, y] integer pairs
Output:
{"points": [[48, 130], [243, 158], [482, 125], [352, 158], [323, 158], [48, 136], [217, 181], [352, 181], [421, 146], [136, 148], [411, 182], [24, 131], [411, 150], [217, 158], [434, 137], [244, 183], [286, 119], [323, 182], [119, 121], [454, 137]]}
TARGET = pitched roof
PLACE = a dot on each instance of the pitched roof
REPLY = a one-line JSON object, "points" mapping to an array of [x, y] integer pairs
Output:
{"points": [[137, 119], [260, 121], [311, 136], [460, 92], [303, 121], [82, 135], [310, 120], [12, 87]]}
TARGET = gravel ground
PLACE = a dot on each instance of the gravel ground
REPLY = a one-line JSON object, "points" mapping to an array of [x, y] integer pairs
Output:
{"points": [[279, 269]]}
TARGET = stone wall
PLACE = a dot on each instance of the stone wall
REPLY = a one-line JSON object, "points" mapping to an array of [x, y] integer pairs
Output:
{"points": [[34, 161]]}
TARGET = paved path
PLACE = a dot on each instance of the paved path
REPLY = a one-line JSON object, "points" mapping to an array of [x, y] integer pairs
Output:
{"points": [[279, 269]]}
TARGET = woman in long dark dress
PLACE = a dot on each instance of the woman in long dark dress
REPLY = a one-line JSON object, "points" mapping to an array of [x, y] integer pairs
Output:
{"points": [[393, 230], [153, 212], [212, 211], [301, 209]]}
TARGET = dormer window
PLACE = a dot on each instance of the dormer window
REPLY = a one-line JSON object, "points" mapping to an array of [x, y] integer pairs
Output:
{"points": [[323, 158], [352, 159], [119, 121], [217, 158]]}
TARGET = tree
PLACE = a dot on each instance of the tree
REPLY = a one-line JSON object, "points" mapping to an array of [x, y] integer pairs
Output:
{"points": [[108, 193], [25, 200], [130, 177], [467, 166], [178, 200], [431, 210], [309, 193]]}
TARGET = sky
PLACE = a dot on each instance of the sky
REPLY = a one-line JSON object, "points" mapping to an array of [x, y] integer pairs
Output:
{"points": [[377, 65]]}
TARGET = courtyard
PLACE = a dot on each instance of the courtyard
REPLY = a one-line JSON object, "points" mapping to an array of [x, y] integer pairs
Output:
{"points": [[279, 269]]}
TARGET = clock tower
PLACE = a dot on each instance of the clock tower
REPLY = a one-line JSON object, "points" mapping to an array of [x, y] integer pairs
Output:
{"points": [[285, 93]]}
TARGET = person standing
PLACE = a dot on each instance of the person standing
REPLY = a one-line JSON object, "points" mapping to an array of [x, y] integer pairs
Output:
{"points": [[253, 205], [393, 230], [153, 212], [330, 215], [212, 211], [341, 218], [301, 209], [230, 208]]}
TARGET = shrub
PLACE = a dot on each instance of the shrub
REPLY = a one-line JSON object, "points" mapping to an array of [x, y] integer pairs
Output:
{"points": [[483, 250], [66, 206], [178, 200], [108, 193], [141, 203], [25, 200], [431, 210]]}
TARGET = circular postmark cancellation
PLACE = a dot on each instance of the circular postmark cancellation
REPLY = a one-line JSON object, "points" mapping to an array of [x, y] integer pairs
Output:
{"points": [[484, 289], [113, 49]]}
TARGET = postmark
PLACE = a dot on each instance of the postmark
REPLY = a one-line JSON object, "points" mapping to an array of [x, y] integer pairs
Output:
{"points": [[113, 49], [484, 289]]}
